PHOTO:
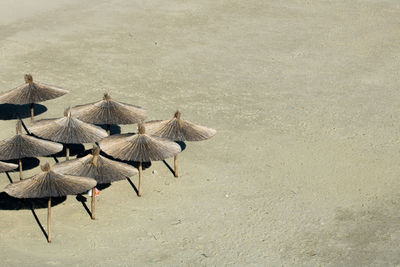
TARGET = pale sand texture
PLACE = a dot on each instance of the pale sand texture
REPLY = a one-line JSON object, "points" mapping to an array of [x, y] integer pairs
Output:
{"points": [[304, 169]]}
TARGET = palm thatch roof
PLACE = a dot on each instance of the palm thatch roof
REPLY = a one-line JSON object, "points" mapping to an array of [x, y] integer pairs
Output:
{"points": [[178, 129], [4, 166], [139, 147], [67, 130], [49, 183], [23, 146], [109, 111], [31, 92], [95, 166]]}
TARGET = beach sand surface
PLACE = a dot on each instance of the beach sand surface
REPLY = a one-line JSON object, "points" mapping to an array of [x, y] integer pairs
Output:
{"points": [[304, 95]]}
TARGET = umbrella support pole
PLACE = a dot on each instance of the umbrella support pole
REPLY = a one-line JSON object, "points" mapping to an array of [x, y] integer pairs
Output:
{"points": [[108, 129], [66, 152], [93, 203], [140, 180], [20, 168], [176, 165], [32, 112], [48, 220]]}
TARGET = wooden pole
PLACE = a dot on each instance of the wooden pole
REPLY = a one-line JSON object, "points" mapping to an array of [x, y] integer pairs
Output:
{"points": [[108, 129], [66, 152], [140, 180], [176, 165], [93, 202], [20, 168], [32, 112], [48, 220]]}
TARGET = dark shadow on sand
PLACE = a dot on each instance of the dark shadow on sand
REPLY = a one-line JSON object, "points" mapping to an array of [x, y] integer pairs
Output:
{"points": [[145, 165], [169, 167], [12, 112], [181, 144], [27, 163], [101, 187], [10, 203], [74, 150], [133, 185], [183, 147], [9, 177], [84, 153], [83, 200], [114, 129]]}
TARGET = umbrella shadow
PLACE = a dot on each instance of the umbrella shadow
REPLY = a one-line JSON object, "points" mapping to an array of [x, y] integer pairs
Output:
{"points": [[181, 144], [114, 129], [103, 186], [8, 202], [27, 163], [183, 147], [145, 165], [9, 177], [133, 185], [169, 167], [74, 150], [83, 200], [84, 153], [12, 112]]}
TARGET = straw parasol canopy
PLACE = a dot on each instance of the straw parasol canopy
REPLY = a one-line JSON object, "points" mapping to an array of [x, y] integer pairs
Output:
{"points": [[108, 111], [95, 166], [5, 167], [178, 129], [31, 92], [24, 146], [67, 130], [49, 184], [139, 147]]}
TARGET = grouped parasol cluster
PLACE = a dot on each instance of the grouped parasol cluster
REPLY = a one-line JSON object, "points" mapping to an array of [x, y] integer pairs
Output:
{"points": [[154, 141]]}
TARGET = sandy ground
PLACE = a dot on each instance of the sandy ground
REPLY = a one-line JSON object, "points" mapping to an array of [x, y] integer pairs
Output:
{"points": [[304, 169]]}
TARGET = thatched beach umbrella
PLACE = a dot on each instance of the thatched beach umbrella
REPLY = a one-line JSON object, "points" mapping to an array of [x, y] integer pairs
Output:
{"points": [[139, 147], [49, 184], [109, 111], [67, 130], [95, 166], [5, 166], [31, 92], [24, 146], [178, 129]]}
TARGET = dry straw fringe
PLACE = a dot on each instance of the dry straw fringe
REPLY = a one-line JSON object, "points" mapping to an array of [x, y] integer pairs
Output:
{"points": [[49, 183], [178, 129], [94, 165], [109, 111], [67, 130]]}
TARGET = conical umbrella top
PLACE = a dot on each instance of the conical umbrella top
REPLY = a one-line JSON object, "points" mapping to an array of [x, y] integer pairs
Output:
{"points": [[23, 146], [139, 147], [109, 111], [31, 92], [95, 166], [178, 129], [49, 183], [4, 166], [67, 130]]}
